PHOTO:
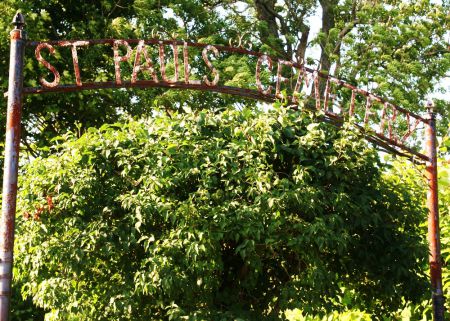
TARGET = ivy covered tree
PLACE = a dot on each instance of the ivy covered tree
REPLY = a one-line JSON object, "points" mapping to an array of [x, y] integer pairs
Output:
{"points": [[206, 216]]}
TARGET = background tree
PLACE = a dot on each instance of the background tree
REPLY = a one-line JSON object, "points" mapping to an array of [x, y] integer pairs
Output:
{"points": [[394, 48]]}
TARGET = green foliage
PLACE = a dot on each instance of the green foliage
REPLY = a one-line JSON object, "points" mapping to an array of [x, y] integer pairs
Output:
{"points": [[444, 210], [395, 49], [205, 216], [297, 315], [24, 310]]}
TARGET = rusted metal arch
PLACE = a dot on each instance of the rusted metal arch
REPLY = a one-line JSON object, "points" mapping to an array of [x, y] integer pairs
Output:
{"points": [[66, 43], [395, 146], [15, 96]]}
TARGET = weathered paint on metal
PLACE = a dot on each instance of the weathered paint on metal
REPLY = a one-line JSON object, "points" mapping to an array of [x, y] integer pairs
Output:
{"points": [[187, 69], [208, 63], [193, 84], [7, 221], [384, 118], [280, 78], [327, 96], [351, 111], [433, 218], [47, 65], [138, 67], [76, 67], [411, 127], [368, 111], [259, 63]]}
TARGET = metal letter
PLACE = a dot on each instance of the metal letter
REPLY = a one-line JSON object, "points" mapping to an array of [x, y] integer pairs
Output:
{"points": [[302, 75], [76, 67], [47, 65], [368, 112], [411, 129], [280, 78], [118, 59], [187, 68], [351, 111], [327, 95], [163, 63], [148, 65], [390, 120], [210, 66], [258, 74], [316, 89]]}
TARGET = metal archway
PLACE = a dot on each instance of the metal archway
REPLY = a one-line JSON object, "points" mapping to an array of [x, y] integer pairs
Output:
{"points": [[383, 123]]}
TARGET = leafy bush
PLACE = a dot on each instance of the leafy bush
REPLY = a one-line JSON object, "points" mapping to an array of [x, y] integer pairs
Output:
{"points": [[297, 315], [201, 216]]}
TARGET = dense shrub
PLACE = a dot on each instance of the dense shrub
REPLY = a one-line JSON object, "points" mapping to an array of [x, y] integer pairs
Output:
{"points": [[205, 216]]}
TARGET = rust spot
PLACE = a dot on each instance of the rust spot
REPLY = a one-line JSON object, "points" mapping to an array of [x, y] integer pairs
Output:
{"points": [[435, 273], [7, 226], [16, 35], [14, 113]]}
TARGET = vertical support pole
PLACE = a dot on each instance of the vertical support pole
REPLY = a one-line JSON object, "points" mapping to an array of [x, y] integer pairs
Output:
{"points": [[15, 89], [433, 217]]}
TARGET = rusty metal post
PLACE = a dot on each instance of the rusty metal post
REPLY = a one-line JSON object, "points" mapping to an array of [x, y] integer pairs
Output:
{"points": [[433, 217], [15, 93]]}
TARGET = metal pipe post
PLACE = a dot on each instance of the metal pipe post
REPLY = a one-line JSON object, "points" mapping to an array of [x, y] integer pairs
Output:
{"points": [[433, 217], [15, 93]]}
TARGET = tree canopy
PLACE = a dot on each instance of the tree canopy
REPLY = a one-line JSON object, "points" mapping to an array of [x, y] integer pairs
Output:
{"points": [[396, 49]]}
